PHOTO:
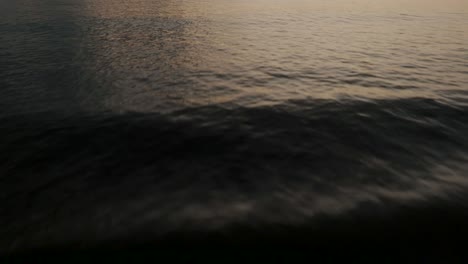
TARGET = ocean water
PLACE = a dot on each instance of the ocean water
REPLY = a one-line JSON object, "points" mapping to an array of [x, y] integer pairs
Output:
{"points": [[140, 119]]}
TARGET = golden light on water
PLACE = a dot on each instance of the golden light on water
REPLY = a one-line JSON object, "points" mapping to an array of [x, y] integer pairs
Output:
{"points": [[269, 51]]}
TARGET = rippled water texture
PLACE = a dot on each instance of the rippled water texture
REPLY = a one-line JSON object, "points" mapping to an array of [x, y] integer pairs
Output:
{"points": [[140, 116]]}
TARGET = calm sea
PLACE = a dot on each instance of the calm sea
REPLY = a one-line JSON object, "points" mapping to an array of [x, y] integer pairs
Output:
{"points": [[139, 119]]}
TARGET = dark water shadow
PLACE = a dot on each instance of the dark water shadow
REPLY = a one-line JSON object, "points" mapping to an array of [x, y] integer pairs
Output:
{"points": [[345, 172]]}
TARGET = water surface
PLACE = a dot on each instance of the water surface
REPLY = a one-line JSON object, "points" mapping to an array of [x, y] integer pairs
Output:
{"points": [[123, 118]]}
